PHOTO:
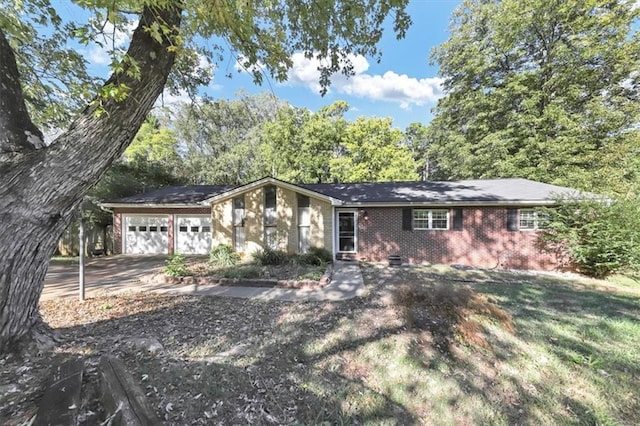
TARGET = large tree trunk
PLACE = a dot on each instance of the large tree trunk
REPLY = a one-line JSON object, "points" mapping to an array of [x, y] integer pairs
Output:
{"points": [[41, 186]]}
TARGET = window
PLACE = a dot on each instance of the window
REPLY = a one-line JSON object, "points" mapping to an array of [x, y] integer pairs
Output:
{"points": [[153, 229], [163, 229], [195, 228], [530, 220], [132, 229], [142, 228], [238, 211], [270, 214], [238, 223], [206, 229], [183, 229], [270, 217], [430, 219], [271, 237], [304, 222]]}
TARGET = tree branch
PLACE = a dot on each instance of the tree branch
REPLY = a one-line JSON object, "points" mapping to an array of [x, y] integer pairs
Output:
{"points": [[17, 131]]}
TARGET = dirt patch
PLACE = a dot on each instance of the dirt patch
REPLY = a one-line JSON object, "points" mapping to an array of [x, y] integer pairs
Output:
{"points": [[212, 360], [449, 313]]}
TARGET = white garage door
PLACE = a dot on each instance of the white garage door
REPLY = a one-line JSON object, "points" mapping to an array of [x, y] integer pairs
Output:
{"points": [[146, 234], [193, 234]]}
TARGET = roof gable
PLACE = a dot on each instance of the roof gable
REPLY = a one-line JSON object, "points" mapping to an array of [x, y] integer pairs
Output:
{"points": [[515, 191], [271, 181]]}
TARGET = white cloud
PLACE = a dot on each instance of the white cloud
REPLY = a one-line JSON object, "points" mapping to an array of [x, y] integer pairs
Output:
{"points": [[389, 87], [112, 39]]}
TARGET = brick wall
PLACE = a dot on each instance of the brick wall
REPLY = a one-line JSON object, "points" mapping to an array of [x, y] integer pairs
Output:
{"points": [[484, 241]]}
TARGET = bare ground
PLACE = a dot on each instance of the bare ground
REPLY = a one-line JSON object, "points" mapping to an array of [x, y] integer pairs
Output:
{"points": [[230, 361]]}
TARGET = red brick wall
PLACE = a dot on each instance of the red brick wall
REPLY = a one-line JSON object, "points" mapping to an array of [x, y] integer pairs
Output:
{"points": [[484, 241], [117, 221]]}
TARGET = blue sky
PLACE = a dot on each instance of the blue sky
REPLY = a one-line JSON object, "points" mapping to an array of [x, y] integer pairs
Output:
{"points": [[403, 86]]}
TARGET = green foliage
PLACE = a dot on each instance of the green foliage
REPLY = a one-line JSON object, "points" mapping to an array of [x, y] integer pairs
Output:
{"points": [[542, 89], [242, 272], [267, 256], [154, 146], [312, 274], [600, 237], [176, 266], [262, 35], [371, 150], [417, 139], [316, 256], [55, 81], [221, 138], [223, 255], [298, 145]]}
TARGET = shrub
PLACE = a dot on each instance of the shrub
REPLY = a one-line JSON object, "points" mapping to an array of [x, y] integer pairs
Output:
{"points": [[268, 256], [312, 275], [321, 253], [176, 266], [244, 272], [223, 255], [600, 237], [310, 259]]}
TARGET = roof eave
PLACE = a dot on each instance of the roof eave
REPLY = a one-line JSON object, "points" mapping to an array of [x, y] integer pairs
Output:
{"points": [[456, 203], [152, 205], [266, 181]]}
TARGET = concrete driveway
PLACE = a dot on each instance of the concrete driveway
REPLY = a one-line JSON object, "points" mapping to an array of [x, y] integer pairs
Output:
{"points": [[102, 274], [116, 274]]}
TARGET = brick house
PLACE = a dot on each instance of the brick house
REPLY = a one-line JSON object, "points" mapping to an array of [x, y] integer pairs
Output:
{"points": [[483, 223]]}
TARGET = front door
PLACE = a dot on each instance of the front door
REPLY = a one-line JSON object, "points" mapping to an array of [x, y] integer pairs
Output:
{"points": [[347, 232]]}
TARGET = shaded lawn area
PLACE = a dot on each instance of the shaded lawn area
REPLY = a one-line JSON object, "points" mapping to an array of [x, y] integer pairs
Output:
{"points": [[478, 348]]}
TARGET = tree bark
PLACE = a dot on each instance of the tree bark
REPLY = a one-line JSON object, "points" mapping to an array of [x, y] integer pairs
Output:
{"points": [[41, 186]]}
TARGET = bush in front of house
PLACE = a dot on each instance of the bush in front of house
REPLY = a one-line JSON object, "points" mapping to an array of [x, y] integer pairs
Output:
{"points": [[601, 237], [316, 256], [269, 257], [223, 255], [242, 272], [176, 266]]}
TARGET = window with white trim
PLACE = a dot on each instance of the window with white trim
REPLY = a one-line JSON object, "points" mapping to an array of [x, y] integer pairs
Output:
{"points": [[430, 219], [304, 223], [531, 220]]}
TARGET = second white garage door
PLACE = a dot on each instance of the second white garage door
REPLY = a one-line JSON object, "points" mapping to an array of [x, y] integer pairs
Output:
{"points": [[146, 234], [193, 234]]}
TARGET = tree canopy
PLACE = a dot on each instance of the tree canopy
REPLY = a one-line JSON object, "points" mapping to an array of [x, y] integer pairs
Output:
{"points": [[542, 89], [44, 83], [240, 140]]}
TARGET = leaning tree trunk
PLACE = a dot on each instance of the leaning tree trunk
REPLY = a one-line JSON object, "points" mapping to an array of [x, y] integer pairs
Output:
{"points": [[41, 186]]}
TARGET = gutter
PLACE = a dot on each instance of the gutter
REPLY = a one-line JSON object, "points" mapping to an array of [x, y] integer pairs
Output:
{"points": [[515, 203], [151, 205]]}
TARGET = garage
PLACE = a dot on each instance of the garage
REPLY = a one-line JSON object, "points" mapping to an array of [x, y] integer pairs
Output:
{"points": [[146, 234], [193, 234]]}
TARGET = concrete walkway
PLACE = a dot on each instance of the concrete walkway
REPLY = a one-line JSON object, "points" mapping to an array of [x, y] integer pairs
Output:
{"points": [[119, 274], [346, 283]]}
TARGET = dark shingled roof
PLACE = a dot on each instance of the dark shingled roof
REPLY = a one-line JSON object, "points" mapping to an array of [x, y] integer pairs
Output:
{"points": [[489, 190], [474, 191], [174, 195]]}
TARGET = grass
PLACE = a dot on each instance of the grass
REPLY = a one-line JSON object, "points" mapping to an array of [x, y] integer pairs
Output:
{"points": [[448, 348]]}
